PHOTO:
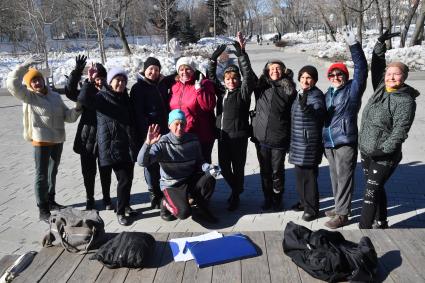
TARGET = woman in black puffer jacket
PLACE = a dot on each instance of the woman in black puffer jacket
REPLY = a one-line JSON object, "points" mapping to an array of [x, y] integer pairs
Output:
{"points": [[274, 95], [386, 121], [307, 118]]}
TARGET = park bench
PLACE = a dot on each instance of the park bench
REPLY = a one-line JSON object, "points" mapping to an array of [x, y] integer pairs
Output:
{"points": [[401, 254]]}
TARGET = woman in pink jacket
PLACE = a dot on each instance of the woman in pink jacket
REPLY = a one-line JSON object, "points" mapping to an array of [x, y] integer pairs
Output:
{"points": [[195, 96]]}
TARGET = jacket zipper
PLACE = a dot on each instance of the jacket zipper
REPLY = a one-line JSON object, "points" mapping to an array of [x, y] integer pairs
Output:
{"points": [[329, 129], [181, 97], [222, 112]]}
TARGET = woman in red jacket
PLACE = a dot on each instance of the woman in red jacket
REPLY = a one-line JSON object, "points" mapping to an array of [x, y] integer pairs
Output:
{"points": [[195, 96]]}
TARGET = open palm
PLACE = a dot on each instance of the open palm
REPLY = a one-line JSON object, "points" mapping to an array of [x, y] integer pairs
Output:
{"points": [[153, 135]]}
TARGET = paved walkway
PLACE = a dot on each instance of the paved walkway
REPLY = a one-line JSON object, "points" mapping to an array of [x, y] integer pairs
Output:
{"points": [[21, 231]]}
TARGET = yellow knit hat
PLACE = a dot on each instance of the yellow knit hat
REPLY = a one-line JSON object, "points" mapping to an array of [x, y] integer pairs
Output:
{"points": [[31, 74]]}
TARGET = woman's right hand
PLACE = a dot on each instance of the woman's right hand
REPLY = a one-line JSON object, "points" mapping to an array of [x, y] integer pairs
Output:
{"points": [[153, 135], [92, 72], [387, 35]]}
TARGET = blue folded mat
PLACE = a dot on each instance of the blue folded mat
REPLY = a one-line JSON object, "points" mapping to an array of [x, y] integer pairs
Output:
{"points": [[221, 250]]}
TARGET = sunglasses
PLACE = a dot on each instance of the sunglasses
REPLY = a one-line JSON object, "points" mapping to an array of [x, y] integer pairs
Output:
{"points": [[335, 75]]}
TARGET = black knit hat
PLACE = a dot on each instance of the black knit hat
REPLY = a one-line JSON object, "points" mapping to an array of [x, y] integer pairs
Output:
{"points": [[151, 61], [101, 71], [312, 71], [232, 68]]}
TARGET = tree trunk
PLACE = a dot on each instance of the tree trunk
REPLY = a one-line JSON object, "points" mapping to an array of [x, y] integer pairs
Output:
{"points": [[327, 24], [409, 17], [388, 21], [379, 17], [344, 13], [124, 41], [360, 22], [417, 36]]}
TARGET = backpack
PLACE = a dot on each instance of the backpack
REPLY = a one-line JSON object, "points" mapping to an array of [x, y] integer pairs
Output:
{"points": [[77, 230], [127, 249]]}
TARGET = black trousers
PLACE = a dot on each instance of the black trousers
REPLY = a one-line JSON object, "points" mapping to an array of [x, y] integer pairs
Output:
{"points": [[200, 187], [375, 198], [152, 176], [89, 168], [124, 173], [272, 170], [206, 149], [306, 183], [232, 159]]}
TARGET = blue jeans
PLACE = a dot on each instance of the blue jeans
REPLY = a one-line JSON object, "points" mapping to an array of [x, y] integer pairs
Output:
{"points": [[47, 159]]}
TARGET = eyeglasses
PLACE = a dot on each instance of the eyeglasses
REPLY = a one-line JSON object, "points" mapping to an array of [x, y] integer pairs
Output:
{"points": [[335, 75]]}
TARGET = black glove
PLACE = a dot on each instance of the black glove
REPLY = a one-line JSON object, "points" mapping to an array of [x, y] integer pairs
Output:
{"points": [[217, 52], [387, 35], [303, 100], [80, 63], [378, 153], [238, 49]]}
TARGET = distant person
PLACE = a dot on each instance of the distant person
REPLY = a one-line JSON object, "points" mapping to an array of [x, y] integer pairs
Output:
{"points": [[274, 94], [115, 135], [179, 156], [258, 39], [343, 101], [195, 96], [234, 100], [149, 98], [85, 142], [386, 121], [307, 116], [44, 116]]}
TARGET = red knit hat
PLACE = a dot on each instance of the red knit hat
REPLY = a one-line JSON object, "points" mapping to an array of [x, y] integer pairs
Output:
{"points": [[340, 66]]}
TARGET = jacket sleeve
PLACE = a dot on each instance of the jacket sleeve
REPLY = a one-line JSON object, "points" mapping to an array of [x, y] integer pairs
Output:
{"points": [[316, 107], [249, 78], [14, 84], [378, 64], [71, 87], [71, 115], [212, 76], [358, 85], [86, 97], [402, 121], [206, 96], [149, 154]]}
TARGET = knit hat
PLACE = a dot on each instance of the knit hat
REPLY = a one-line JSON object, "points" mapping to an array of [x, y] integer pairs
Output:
{"points": [[232, 68], [403, 67], [340, 66], [151, 61], [31, 74], [115, 71], [311, 70], [185, 61], [101, 71], [176, 114]]}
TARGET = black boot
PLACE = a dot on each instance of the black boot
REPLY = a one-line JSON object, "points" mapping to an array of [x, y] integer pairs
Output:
{"points": [[44, 214], [277, 202], [234, 202], [267, 205], [90, 204], [155, 199], [53, 205], [165, 214], [108, 204]]}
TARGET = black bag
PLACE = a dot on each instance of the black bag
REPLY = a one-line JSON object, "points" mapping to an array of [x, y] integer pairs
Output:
{"points": [[326, 255], [127, 249], [77, 230]]}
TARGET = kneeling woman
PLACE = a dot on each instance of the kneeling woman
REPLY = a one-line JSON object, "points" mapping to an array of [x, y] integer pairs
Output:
{"points": [[386, 120]]}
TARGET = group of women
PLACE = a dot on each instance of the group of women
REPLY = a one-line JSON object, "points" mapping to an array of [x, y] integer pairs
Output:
{"points": [[306, 124]]}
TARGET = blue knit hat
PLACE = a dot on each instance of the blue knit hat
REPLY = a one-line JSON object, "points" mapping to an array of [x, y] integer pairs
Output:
{"points": [[176, 114], [115, 71]]}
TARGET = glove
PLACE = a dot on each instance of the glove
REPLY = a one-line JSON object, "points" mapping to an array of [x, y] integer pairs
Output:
{"points": [[239, 51], [218, 52], [199, 80], [378, 153], [387, 35], [348, 34], [213, 170], [80, 63], [302, 98], [33, 60]]}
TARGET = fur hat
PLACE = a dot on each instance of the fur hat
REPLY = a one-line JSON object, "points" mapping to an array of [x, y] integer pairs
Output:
{"points": [[185, 61], [311, 70], [176, 114], [151, 61], [403, 67], [340, 66], [31, 74], [115, 71]]}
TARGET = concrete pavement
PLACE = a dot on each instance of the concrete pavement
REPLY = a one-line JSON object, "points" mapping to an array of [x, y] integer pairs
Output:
{"points": [[21, 231]]}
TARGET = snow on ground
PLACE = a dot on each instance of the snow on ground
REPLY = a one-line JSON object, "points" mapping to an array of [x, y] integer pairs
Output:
{"points": [[312, 42]]}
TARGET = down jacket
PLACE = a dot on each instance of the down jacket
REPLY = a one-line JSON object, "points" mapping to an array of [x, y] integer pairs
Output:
{"points": [[197, 105], [306, 129], [343, 104], [115, 125], [388, 116], [233, 106]]}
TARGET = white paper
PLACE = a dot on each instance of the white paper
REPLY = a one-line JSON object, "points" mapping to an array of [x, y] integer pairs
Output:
{"points": [[177, 245]]}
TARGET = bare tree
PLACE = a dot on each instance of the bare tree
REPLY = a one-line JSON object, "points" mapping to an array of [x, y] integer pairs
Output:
{"points": [[407, 22], [117, 20], [418, 34]]}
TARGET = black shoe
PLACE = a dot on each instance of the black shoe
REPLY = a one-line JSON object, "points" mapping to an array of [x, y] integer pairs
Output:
{"points": [[108, 205], [53, 205], [165, 214], [267, 205], [44, 215], [155, 201], [208, 217], [234, 203], [123, 220], [130, 212], [277, 202], [297, 207], [309, 217], [380, 224], [90, 204]]}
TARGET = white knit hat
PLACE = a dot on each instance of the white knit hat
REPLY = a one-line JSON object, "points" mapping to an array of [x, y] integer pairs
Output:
{"points": [[116, 71], [185, 61]]}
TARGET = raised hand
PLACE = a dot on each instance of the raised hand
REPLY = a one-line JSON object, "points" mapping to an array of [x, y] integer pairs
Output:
{"points": [[218, 52], [199, 81], [92, 72], [387, 35], [153, 135], [80, 62], [34, 60], [241, 40], [348, 34]]}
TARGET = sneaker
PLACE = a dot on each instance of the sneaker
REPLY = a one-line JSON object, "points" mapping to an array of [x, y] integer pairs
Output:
{"points": [[53, 205], [337, 221], [44, 215], [380, 224], [130, 212], [330, 213], [297, 207], [234, 203], [165, 214], [123, 220]]}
